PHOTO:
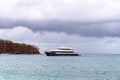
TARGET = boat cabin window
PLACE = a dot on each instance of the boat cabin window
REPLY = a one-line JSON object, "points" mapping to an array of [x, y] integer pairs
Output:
{"points": [[64, 49]]}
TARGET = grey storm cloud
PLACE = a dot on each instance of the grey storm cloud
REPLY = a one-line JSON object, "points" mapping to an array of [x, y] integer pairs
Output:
{"points": [[98, 29], [89, 18]]}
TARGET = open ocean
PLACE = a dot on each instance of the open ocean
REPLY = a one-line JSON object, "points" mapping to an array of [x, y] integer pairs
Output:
{"points": [[40, 67]]}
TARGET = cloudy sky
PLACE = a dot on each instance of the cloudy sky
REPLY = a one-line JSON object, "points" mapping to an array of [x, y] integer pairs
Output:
{"points": [[90, 26]]}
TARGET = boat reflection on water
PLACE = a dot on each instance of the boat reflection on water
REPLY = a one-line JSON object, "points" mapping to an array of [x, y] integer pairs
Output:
{"points": [[62, 51]]}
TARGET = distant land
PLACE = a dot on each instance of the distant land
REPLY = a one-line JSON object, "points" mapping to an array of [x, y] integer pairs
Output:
{"points": [[9, 47]]}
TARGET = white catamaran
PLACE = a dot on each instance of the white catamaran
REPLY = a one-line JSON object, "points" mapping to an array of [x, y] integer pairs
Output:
{"points": [[62, 51]]}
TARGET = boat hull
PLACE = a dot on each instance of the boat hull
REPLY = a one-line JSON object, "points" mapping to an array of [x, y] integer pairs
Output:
{"points": [[54, 54]]}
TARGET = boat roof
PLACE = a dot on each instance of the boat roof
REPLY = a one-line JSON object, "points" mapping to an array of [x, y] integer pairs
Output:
{"points": [[65, 48]]}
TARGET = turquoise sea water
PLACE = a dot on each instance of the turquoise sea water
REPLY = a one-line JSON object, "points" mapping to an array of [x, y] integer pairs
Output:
{"points": [[39, 67]]}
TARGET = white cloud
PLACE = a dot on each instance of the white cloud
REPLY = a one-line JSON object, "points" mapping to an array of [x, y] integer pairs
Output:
{"points": [[54, 39], [78, 10]]}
